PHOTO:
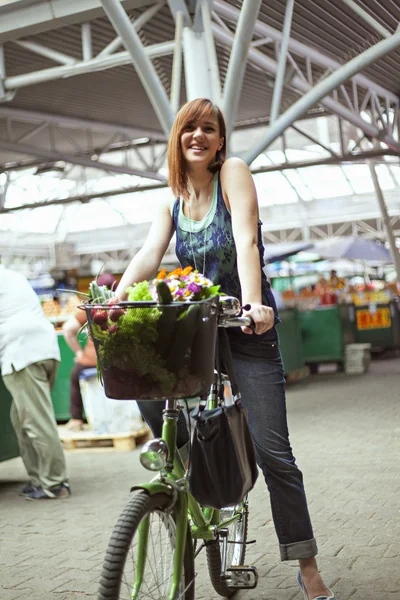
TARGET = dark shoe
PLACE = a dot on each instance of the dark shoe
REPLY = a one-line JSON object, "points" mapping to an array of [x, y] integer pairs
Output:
{"points": [[305, 595], [61, 491], [27, 489]]}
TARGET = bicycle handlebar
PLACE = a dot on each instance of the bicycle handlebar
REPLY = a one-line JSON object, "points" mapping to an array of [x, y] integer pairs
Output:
{"points": [[225, 321]]}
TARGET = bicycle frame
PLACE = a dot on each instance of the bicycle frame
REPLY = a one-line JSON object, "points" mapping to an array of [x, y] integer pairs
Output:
{"points": [[205, 522]]}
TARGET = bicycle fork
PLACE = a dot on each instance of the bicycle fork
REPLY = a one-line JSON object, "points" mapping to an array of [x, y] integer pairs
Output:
{"points": [[179, 504]]}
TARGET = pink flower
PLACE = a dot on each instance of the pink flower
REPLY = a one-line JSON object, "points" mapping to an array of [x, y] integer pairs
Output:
{"points": [[193, 287]]}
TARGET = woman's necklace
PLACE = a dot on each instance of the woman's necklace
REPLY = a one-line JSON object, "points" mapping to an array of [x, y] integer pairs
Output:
{"points": [[205, 239]]}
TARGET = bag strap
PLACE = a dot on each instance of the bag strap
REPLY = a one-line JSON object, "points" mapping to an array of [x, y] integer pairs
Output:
{"points": [[224, 354]]}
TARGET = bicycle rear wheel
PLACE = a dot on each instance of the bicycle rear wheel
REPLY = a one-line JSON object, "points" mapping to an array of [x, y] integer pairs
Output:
{"points": [[120, 563], [236, 549]]}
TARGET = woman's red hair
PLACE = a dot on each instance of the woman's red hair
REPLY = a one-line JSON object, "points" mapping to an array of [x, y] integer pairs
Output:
{"points": [[191, 112]]}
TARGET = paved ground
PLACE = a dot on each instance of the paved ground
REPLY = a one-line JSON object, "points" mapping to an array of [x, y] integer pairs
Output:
{"points": [[345, 432]]}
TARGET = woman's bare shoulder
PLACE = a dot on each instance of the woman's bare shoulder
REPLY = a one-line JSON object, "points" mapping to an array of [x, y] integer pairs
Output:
{"points": [[234, 170], [232, 165]]}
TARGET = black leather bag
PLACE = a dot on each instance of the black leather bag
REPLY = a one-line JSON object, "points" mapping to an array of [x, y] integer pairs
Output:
{"points": [[223, 465]]}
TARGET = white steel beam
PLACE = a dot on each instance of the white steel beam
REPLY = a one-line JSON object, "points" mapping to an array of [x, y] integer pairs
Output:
{"points": [[137, 24], [280, 75], [176, 77], [211, 51], [302, 86], [385, 218], [367, 18], [31, 116], [231, 13], [238, 59], [180, 6], [20, 18], [27, 136], [141, 61], [197, 72], [82, 67], [2, 63], [86, 34], [53, 156], [58, 57], [322, 89]]}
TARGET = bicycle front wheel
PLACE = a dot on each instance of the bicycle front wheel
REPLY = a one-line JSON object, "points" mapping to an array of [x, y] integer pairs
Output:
{"points": [[119, 574]]}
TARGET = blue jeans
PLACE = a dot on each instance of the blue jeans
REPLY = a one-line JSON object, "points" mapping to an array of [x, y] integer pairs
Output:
{"points": [[262, 385]]}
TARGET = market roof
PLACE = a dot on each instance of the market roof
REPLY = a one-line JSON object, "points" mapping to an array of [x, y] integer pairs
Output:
{"points": [[323, 34], [77, 126]]}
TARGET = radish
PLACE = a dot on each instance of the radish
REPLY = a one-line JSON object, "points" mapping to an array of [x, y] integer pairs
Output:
{"points": [[113, 329], [116, 313], [99, 317]]}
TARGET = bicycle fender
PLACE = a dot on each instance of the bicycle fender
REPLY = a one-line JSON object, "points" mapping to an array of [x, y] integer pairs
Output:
{"points": [[155, 487]]}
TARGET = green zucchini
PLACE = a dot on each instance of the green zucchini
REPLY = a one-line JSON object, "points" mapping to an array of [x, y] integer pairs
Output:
{"points": [[185, 330], [163, 293]]}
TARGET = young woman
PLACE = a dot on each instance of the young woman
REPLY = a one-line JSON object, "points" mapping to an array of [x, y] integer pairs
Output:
{"points": [[218, 232]]}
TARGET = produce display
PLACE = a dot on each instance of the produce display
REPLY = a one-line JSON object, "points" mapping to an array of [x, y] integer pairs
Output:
{"points": [[163, 348]]}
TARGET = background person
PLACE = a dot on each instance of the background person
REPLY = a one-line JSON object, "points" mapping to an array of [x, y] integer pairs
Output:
{"points": [[84, 357], [29, 357], [218, 232]]}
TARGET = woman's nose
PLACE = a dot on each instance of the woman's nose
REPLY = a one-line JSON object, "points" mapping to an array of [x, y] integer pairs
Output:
{"points": [[198, 132]]}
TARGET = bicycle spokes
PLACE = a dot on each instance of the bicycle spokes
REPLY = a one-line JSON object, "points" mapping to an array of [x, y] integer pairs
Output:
{"points": [[149, 569]]}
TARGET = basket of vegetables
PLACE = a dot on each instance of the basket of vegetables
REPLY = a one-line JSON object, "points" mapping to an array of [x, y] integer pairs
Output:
{"points": [[160, 343]]}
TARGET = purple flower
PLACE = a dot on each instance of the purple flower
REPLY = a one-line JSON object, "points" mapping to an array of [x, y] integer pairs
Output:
{"points": [[179, 292], [193, 287]]}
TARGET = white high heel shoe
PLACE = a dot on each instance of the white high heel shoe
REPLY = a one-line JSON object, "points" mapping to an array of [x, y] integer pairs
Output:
{"points": [[305, 595]]}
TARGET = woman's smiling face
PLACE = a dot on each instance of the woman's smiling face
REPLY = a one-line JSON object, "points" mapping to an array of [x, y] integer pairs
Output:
{"points": [[200, 141]]}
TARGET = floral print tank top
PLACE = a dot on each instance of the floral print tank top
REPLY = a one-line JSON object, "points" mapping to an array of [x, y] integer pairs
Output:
{"points": [[210, 242]]}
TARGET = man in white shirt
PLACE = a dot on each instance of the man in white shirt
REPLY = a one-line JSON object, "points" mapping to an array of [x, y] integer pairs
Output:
{"points": [[29, 357]]}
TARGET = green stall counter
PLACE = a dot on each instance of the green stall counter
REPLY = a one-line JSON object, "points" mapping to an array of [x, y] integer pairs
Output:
{"points": [[8, 441], [60, 392], [290, 340], [325, 331], [379, 325]]}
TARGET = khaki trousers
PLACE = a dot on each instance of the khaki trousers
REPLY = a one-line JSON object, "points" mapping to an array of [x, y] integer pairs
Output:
{"points": [[32, 416]]}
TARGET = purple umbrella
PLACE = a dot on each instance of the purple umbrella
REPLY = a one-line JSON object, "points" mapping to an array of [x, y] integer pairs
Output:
{"points": [[354, 248]]}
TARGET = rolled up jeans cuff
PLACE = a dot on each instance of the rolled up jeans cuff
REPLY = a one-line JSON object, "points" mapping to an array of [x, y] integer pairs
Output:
{"points": [[298, 550]]}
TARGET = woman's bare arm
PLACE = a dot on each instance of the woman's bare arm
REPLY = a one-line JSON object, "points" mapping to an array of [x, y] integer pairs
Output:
{"points": [[146, 262], [240, 192]]}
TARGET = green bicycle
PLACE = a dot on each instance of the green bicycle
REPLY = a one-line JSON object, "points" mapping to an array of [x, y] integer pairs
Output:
{"points": [[162, 529]]}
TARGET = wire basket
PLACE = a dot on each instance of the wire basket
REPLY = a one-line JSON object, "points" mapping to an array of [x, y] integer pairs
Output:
{"points": [[150, 351]]}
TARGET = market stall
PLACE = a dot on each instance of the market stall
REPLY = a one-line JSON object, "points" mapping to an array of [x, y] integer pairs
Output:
{"points": [[378, 324], [325, 331], [291, 342], [8, 441]]}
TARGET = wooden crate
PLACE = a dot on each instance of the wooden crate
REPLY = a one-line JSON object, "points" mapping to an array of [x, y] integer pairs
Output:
{"points": [[86, 439]]}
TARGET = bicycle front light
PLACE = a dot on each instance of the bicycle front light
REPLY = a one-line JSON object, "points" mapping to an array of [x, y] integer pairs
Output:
{"points": [[154, 455]]}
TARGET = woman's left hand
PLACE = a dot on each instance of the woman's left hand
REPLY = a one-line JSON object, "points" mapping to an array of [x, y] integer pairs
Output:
{"points": [[263, 316]]}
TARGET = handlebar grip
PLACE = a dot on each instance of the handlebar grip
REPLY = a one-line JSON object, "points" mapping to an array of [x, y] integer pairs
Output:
{"points": [[252, 325]]}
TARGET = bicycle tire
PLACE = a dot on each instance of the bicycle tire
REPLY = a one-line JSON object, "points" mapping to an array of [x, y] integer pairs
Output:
{"points": [[112, 575], [214, 560]]}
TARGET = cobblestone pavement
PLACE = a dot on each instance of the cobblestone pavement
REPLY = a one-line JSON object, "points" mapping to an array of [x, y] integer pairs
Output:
{"points": [[345, 434]]}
